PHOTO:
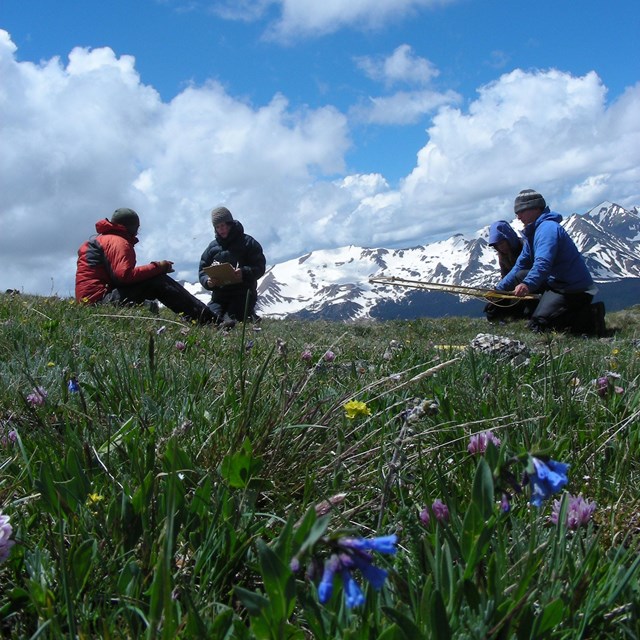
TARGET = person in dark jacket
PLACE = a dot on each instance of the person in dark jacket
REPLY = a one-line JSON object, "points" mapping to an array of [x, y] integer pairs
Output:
{"points": [[508, 245], [236, 300], [107, 271], [551, 264]]}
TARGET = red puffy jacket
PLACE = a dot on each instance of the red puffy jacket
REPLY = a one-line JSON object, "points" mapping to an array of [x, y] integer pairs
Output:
{"points": [[108, 261]]}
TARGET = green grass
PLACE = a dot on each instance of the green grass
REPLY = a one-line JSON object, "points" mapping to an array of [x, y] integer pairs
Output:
{"points": [[167, 497]]}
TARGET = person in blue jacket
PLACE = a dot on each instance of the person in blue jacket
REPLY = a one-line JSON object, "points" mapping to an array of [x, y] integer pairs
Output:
{"points": [[508, 246], [550, 264]]}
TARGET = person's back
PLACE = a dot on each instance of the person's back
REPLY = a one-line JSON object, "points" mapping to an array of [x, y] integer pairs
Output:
{"points": [[107, 272]]}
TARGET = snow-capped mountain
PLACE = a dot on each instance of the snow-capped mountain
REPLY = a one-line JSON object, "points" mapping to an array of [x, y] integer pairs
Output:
{"points": [[334, 284]]}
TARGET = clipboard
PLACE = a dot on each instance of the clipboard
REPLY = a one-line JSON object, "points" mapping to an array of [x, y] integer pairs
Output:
{"points": [[224, 273]]}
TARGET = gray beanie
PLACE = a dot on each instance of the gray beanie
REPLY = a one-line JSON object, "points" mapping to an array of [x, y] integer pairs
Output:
{"points": [[528, 199], [127, 218], [220, 214]]}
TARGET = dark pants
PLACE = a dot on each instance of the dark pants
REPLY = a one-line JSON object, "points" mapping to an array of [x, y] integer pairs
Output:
{"points": [[561, 310], [235, 304], [509, 309], [169, 292]]}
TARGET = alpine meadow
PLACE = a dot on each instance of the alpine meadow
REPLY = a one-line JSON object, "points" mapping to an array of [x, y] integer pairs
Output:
{"points": [[402, 480]]}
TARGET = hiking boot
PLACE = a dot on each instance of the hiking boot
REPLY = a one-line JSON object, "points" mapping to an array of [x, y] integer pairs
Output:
{"points": [[226, 323], [597, 319]]}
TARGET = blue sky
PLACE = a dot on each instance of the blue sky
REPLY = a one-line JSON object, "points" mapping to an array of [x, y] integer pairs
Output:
{"points": [[368, 122]]}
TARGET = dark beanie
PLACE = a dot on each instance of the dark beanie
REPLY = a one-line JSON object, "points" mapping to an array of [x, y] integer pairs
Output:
{"points": [[126, 217], [528, 199], [220, 214]]}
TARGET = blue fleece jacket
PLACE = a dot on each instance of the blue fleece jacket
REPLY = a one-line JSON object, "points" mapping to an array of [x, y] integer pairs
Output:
{"points": [[551, 257]]}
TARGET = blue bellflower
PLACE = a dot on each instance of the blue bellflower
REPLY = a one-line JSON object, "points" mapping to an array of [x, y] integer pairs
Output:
{"points": [[546, 479], [355, 553]]}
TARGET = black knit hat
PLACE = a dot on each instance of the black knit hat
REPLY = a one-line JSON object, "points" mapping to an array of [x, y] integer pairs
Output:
{"points": [[127, 218], [528, 199], [220, 214]]}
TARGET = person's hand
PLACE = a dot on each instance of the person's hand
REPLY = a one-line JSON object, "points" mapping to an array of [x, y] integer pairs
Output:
{"points": [[238, 275], [167, 266], [521, 290], [212, 282]]}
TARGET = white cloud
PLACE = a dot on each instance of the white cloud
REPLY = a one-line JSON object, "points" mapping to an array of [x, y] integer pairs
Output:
{"points": [[403, 107], [302, 17], [80, 140], [402, 66]]}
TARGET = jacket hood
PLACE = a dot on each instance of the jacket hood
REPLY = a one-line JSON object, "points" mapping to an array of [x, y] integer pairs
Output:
{"points": [[502, 230], [105, 226]]}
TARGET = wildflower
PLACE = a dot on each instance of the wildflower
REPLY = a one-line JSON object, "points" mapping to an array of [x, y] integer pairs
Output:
{"points": [[382, 544], [479, 441], [5, 537], [94, 498], [353, 595], [180, 346], [579, 511], [546, 478], [249, 345], [73, 385], [306, 355], [425, 517], [355, 408], [9, 438], [329, 356], [325, 588], [354, 553], [505, 505], [440, 510], [37, 397]]}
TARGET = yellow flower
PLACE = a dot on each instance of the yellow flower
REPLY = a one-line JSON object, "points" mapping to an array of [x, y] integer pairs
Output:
{"points": [[51, 364], [94, 498], [355, 408], [615, 352]]}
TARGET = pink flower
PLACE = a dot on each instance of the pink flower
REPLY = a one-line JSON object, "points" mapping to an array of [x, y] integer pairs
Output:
{"points": [[37, 397], [579, 511], [306, 355], [5, 537], [440, 510], [180, 346], [329, 356], [479, 441]]}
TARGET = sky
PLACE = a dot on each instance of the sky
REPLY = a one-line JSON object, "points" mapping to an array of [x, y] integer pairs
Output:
{"points": [[375, 123]]}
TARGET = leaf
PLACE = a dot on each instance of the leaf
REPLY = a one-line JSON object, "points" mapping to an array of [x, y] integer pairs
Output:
{"points": [[278, 582], [408, 627], [81, 561], [253, 602], [551, 616], [482, 492], [438, 618]]}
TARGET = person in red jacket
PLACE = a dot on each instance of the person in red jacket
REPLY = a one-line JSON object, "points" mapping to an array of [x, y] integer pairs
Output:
{"points": [[107, 271]]}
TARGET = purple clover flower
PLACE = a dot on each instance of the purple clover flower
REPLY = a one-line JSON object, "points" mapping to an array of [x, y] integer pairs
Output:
{"points": [[440, 511], [579, 511], [329, 356], [5, 537], [425, 517], [306, 355], [478, 442], [546, 478], [37, 397], [180, 346]]}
